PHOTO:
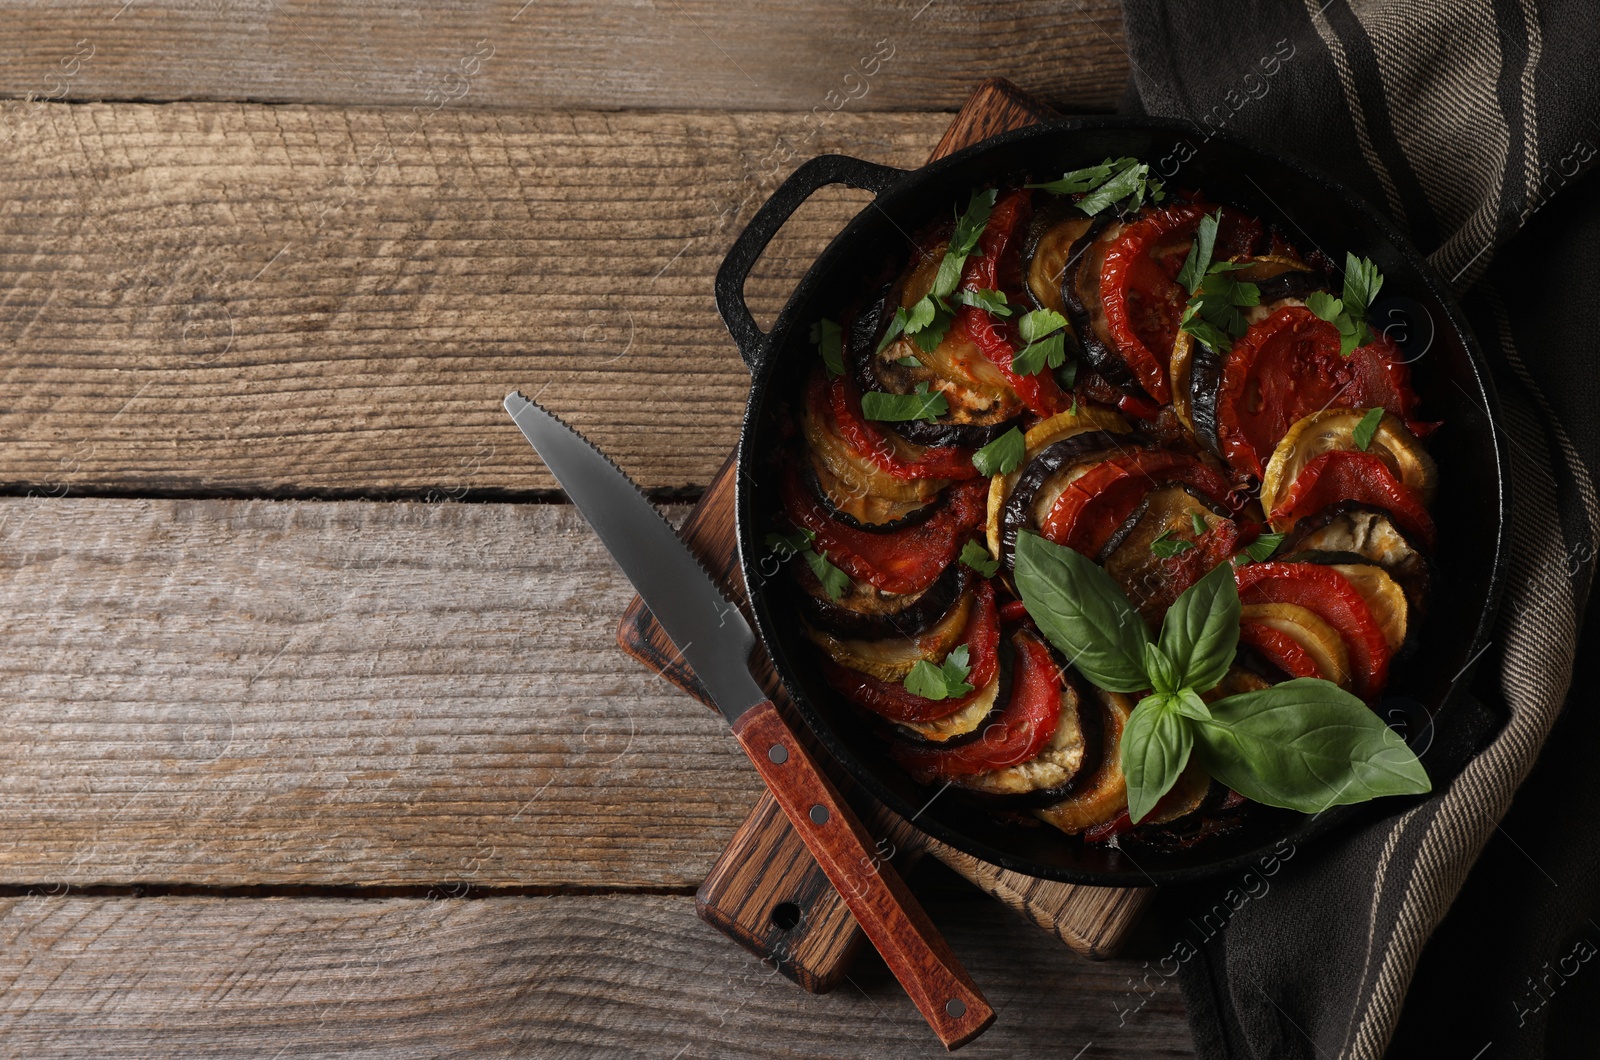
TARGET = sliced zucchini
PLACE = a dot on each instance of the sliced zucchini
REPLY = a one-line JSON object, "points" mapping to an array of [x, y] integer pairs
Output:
{"points": [[1384, 597], [1311, 631], [891, 658], [1047, 265], [1104, 793], [847, 476], [1334, 429]]}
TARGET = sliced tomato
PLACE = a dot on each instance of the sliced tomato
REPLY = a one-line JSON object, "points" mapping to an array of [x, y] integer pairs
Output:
{"points": [[842, 400], [900, 561], [1178, 572], [1140, 295], [1288, 366], [1020, 732], [982, 270], [1094, 504], [1351, 475], [1328, 593], [1278, 648], [891, 700], [1041, 393]]}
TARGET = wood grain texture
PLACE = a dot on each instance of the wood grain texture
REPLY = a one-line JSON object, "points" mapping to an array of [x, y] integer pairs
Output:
{"points": [[234, 693], [224, 299], [714, 54], [558, 977]]}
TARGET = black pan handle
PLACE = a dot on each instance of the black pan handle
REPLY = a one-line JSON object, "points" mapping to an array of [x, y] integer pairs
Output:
{"points": [[817, 173]]}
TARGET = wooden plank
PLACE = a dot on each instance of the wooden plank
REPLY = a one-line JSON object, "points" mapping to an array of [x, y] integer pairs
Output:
{"points": [[235, 693], [615, 976], [224, 299], [714, 54]]}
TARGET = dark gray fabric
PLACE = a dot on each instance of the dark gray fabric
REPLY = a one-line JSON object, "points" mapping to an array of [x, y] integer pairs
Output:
{"points": [[1471, 125]]}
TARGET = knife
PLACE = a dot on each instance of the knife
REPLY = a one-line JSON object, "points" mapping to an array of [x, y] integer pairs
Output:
{"points": [[716, 641]]}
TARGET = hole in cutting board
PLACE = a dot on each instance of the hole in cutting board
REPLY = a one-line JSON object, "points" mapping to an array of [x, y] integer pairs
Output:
{"points": [[786, 916]]}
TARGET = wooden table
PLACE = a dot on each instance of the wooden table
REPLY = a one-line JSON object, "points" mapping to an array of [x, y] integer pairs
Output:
{"points": [[313, 735]]}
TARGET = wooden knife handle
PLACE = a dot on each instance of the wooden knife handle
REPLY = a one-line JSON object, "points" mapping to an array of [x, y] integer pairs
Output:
{"points": [[886, 910]]}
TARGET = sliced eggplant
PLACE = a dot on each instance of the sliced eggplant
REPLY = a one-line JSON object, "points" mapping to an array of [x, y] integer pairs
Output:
{"points": [[1040, 482], [1103, 794], [1072, 750], [864, 612], [1080, 294], [1334, 429], [852, 483], [1204, 372], [891, 658], [1047, 246], [1371, 534], [1129, 557], [968, 723], [868, 512], [1310, 631], [1187, 794]]}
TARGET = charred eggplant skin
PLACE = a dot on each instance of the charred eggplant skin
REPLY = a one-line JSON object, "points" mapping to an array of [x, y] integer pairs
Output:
{"points": [[1414, 575], [1051, 459], [917, 617], [1103, 358], [1205, 383], [1090, 722], [861, 347], [1296, 283]]}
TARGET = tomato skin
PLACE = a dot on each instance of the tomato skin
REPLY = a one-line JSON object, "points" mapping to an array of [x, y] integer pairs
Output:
{"points": [[1091, 508], [1328, 593], [1020, 732], [1351, 475], [840, 399], [1286, 367], [1278, 648], [1141, 300], [982, 270], [890, 699], [901, 561]]}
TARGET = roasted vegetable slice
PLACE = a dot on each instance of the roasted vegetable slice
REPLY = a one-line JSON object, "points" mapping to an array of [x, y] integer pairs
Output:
{"points": [[871, 614], [1343, 475], [1331, 430], [1153, 576], [1385, 599], [1336, 601], [968, 722], [1370, 533], [1090, 508], [1071, 750], [1048, 250], [1140, 297], [1319, 644], [1041, 481], [1103, 794]]}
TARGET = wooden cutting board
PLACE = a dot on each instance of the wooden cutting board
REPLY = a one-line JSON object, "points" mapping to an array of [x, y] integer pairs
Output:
{"points": [[765, 891]]}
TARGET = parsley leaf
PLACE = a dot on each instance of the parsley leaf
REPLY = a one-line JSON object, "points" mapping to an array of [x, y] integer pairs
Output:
{"points": [[1212, 315], [931, 334], [787, 546], [977, 557], [1199, 259], [921, 405], [908, 361], [1001, 456], [947, 681], [1123, 182], [1198, 521], [1166, 546], [1362, 281], [897, 325], [929, 319], [980, 298], [826, 337], [1261, 549], [1042, 330], [1362, 435]]}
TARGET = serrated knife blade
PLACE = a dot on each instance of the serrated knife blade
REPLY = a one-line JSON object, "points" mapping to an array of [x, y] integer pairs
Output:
{"points": [[707, 629], [716, 642]]}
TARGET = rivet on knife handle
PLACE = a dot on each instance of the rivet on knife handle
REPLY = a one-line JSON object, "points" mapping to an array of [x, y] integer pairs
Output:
{"points": [[886, 910]]}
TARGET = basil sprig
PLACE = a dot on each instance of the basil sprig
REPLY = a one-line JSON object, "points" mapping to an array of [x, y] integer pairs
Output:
{"points": [[1121, 182], [1362, 281], [928, 320], [785, 546], [1304, 745], [1212, 314]]}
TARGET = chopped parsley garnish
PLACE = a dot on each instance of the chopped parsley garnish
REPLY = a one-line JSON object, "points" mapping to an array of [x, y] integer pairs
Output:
{"points": [[1363, 432], [921, 405], [1043, 331], [826, 337], [1001, 456], [977, 557], [908, 361], [947, 681], [928, 320], [1121, 182], [785, 546], [1198, 521], [1261, 549], [1166, 546], [990, 301], [1362, 281], [1212, 314]]}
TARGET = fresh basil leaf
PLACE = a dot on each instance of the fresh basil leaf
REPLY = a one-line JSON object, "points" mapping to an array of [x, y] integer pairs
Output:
{"points": [[1199, 259], [1363, 432], [1156, 742], [1198, 521], [834, 581], [908, 361], [1362, 281], [825, 336], [1166, 546], [987, 300], [897, 325], [1305, 745], [1200, 632], [1083, 613], [877, 405], [1048, 352], [1158, 668], [1001, 456], [1187, 701], [977, 557], [1261, 549]]}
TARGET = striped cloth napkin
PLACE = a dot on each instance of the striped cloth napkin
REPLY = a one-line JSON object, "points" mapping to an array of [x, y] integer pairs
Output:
{"points": [[1472, 123]]}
